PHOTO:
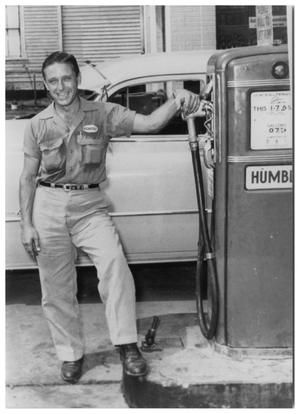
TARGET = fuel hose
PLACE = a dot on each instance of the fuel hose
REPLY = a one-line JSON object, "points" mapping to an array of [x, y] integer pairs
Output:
{"points": [[206, 261]]}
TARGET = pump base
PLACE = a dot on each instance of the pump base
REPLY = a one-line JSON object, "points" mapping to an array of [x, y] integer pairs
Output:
{"points": [[190, 373]]}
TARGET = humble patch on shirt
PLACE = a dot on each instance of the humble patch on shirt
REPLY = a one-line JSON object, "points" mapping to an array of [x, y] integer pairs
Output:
{"points": [[90, 129]]}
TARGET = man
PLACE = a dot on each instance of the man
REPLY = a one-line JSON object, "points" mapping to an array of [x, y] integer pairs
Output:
{"points": [[63, 208]]}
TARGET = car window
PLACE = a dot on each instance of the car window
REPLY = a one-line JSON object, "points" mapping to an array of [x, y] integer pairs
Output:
{"points": [[145, 98]]}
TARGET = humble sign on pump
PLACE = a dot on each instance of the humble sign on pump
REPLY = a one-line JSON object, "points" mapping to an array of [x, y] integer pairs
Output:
{"points": [[269, 177]]}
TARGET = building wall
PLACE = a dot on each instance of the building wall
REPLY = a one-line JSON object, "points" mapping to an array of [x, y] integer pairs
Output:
{"points": [[98, 33], [94, 33], [179, 28], [190, 27]]}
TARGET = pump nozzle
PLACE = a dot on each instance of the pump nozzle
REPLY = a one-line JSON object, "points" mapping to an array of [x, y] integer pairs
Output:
{"points": [[201, 112], [207, 90]]}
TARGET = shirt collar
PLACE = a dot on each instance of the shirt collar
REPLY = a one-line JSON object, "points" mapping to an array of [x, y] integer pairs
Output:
{"points": [[85, 106]]}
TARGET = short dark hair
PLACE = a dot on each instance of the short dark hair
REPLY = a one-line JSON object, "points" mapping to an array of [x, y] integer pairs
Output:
{"points": [[60, 57]]}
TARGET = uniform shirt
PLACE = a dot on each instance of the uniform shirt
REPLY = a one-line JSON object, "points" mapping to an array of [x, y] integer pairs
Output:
{"points": [[77, 155]]}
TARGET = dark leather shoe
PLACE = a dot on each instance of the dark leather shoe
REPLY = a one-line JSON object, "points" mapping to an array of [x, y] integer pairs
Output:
{"points": [[71, 370], [133, 362]]}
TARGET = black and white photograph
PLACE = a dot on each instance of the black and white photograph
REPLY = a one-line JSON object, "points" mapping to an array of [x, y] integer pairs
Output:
{"points": [[149, 205]]}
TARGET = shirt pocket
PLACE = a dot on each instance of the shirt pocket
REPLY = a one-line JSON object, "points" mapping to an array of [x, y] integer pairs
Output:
{"points": [[53, 154], [92, 150]]}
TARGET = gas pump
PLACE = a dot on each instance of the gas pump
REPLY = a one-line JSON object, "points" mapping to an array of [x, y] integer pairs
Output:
{"points": [[247, 249], [244, 275]]}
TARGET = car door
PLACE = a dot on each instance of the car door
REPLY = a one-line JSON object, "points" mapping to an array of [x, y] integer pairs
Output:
{"points": [[150, 178]]}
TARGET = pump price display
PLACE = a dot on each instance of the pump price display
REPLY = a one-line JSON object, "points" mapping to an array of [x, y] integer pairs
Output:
{"points": [[271, 120], [269, 177]]}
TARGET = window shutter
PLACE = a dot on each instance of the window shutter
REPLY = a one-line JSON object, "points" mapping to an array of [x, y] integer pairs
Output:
{"points": [[97, 33]]}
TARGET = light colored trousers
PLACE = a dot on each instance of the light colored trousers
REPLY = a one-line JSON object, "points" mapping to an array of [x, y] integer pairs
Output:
{"points": [[78, 218]]}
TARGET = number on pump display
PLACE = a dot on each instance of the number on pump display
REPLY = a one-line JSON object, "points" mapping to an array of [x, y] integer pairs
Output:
{"points": [[277, 130]]}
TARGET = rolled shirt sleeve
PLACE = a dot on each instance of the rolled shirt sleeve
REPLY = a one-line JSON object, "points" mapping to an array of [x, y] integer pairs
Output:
{"points": [[30, 145], [119, 121]]}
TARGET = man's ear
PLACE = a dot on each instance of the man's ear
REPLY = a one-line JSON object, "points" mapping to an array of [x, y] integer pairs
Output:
{"points": [[79, 78]]}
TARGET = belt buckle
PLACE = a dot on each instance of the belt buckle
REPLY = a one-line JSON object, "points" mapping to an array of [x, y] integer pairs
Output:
{"points": [[68, 187]]}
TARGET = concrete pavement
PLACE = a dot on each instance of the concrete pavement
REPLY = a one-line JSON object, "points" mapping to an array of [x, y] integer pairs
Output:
{"points": [[189, 372], [33, 371]]}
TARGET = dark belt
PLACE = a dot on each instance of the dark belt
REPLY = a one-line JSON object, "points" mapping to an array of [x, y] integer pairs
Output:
{"points": [[69, 186]]}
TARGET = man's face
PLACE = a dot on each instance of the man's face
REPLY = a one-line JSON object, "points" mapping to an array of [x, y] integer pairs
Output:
{"points": [[62, 83]]}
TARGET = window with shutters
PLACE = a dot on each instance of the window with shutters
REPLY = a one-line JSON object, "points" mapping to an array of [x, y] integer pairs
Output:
{"points": [[13, 32]]}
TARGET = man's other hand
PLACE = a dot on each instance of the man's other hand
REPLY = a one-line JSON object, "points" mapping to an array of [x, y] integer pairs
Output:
{"points": [[30, 240]]}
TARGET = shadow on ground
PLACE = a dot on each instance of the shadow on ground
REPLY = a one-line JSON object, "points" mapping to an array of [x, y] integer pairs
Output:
{"points": [[157, 282]]}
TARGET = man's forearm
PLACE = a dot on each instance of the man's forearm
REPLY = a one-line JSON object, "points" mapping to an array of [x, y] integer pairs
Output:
{"points": [[26, 196], [183, 99], [157, 119], [162, 116]]}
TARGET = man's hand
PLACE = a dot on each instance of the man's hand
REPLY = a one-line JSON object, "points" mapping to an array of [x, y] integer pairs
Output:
{"points": [[183, 100], [30, 240], [187, 101]]}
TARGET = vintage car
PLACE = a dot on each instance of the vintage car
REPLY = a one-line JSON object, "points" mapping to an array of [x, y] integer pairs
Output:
{"points": [[150, 177]]}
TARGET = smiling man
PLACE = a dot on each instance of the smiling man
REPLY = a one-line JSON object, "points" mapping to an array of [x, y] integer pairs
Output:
{"points": [[63, 208]]}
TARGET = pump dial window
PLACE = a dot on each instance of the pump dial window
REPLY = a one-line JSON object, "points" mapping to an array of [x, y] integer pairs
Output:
{"points": [[271, 120]]}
